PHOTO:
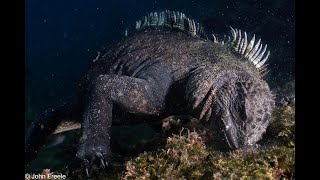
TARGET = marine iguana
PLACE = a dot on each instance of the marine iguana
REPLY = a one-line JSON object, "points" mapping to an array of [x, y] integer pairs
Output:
{"points": [[168, 65]]}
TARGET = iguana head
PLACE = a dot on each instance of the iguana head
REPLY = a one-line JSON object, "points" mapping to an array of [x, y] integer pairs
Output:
{"points": [[230, 92], [241, 112], [236, 105]]}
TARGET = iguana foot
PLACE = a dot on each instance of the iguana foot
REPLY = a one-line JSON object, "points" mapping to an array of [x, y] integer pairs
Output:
{"points": [[92, 159], [87, 165]]}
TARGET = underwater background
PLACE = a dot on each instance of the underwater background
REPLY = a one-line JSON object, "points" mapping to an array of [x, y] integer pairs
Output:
{"points": [[62, 37]]}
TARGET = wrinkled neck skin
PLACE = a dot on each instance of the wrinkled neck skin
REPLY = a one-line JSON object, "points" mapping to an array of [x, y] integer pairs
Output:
{"points": [[233, 99]]}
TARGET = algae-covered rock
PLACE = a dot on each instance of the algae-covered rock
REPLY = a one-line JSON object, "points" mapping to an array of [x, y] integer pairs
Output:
{"points": [[282, 127], [274, 162], [181, 154], [187, 157]]}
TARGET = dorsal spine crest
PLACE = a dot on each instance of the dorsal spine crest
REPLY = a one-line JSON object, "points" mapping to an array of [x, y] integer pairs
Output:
{"points": [[171, 19], [251, 50]]}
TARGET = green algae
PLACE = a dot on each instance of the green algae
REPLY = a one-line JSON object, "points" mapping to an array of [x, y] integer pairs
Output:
{"points": [[186, 157]]}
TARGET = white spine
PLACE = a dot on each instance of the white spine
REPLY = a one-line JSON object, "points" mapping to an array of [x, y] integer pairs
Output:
{"points": [[254, 50], [257, 53], [261, 63], [250, 46], [244, 43], [257, 60], [239, 39]]}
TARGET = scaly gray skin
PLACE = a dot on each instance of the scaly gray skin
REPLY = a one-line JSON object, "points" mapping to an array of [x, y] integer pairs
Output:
{"points": [[153, 72]]}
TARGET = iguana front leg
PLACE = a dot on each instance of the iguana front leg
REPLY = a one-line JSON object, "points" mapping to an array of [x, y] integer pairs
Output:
{"points": [[133, 95]]}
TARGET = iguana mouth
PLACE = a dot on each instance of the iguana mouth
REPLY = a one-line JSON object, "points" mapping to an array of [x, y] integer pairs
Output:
{"points": [[230, 114], [223, 138], [230, 141], [231, 135]]}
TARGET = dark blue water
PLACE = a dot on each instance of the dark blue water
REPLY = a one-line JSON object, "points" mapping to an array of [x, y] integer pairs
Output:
{"points": [[63, 36]]}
